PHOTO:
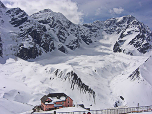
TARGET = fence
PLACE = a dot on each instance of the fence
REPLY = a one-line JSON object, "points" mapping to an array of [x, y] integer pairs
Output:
{"points": [[114, 111]]}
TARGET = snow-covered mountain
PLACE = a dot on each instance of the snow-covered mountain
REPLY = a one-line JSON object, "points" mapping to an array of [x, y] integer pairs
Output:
{"points": [[46, 30], [101, 65]]}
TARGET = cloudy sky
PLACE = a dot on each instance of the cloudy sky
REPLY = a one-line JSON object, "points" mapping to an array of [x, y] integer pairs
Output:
{"points": [[87, 11]]}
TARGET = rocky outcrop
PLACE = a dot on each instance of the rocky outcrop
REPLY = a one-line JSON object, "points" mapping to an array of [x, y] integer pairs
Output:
{"points": [[41, 40], [136, 34], [116, 47], [1, 49], [75, 82], [61, 27], [28, 53], [2, 5], [142, 42], [18, 16], [135, 75]]}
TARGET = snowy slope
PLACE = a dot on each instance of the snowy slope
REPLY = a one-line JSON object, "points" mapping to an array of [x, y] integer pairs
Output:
{"points": [[135, 87], [100, 73], [45, 53]]}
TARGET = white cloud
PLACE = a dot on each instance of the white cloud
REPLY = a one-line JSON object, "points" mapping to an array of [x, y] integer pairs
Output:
{"points": [[140, 4], [117, 10], [98, 11], [66, 7]]}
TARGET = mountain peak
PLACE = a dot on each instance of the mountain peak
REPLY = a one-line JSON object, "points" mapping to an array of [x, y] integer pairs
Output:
{"points": [[130, 16], [46, 11], [48, 16], [2, 5], [126, 18]]}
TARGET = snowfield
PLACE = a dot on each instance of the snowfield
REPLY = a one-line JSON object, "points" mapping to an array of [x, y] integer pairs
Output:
{"points": [[23, 83]]}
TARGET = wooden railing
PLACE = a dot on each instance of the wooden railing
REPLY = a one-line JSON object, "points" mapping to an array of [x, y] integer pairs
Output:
{"points": [[106, 111], [114, 111]]}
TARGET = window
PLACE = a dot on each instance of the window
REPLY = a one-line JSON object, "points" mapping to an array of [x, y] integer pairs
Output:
{"points": [[68, 101], [62, 102], [68, 105]]}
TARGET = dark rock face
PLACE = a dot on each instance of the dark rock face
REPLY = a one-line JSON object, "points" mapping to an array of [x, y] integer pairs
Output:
{"points": [[1, 50], [63, 28], [74, 44], [116, 48], [41, 40], [25, 53], [141, 42], [18, 16], [138, 43], [36, 35], [48, 46], [61, 35], [86, 39], [62, 49], [145, 47], [135, 75], [2, 5]]}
